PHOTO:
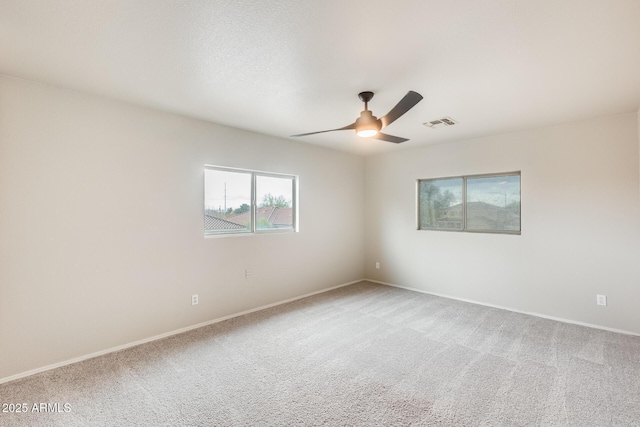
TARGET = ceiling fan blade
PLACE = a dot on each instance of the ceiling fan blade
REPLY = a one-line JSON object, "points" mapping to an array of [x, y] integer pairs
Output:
{"points": [[405, 104], [351, 126], [389, 138]]}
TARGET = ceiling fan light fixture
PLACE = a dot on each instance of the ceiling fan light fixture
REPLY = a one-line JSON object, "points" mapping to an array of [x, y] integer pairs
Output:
{"points": [[367, 133], [367, 125]]}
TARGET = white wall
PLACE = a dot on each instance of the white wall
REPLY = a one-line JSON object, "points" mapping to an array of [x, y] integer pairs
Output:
{"points": [[101, 224], [580, 223]]}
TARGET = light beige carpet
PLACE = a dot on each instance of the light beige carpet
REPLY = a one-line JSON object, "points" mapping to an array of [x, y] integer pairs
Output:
{"points": [[363, 355]]}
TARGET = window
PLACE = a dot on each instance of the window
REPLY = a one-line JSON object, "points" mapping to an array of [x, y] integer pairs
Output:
{"points": [[493, 203], [244, 201], [274, 196], [480, 203], [441, 204]]}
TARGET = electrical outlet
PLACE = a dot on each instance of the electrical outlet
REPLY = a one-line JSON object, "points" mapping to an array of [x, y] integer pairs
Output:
{"points": [[601, 299], [247, 273], [194, 299], [377, 265]]}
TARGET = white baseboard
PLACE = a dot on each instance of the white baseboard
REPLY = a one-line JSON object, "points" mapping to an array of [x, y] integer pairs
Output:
{"points": [[544, 316], [165, 335]]}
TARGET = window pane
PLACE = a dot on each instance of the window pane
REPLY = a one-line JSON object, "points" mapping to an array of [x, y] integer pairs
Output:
{"points": [[227, 201], [274, 199], [493, 203], [441, 204]]}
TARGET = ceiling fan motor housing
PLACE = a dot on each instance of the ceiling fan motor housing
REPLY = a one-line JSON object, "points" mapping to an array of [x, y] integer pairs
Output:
{"points": [[367, 123]]}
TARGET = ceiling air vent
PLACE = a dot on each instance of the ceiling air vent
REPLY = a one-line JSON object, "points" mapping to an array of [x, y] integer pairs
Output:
{"points": [[445, 121]]}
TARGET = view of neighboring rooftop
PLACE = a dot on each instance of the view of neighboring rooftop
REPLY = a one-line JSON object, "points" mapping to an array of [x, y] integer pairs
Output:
{"points": [[266, 217]]}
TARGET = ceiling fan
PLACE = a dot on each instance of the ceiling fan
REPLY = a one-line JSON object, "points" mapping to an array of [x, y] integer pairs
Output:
{"points": [[369, 126]]}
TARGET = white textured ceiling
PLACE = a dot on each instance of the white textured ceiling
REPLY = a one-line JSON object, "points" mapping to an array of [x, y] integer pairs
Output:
{"points": [[292, 66]]}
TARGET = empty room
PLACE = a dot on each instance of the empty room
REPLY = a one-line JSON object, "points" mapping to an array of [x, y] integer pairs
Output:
{"points": [[358, 213]]}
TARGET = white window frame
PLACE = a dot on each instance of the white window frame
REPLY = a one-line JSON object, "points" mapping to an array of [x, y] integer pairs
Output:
{"points": [[464, 204], [254, 230]]}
